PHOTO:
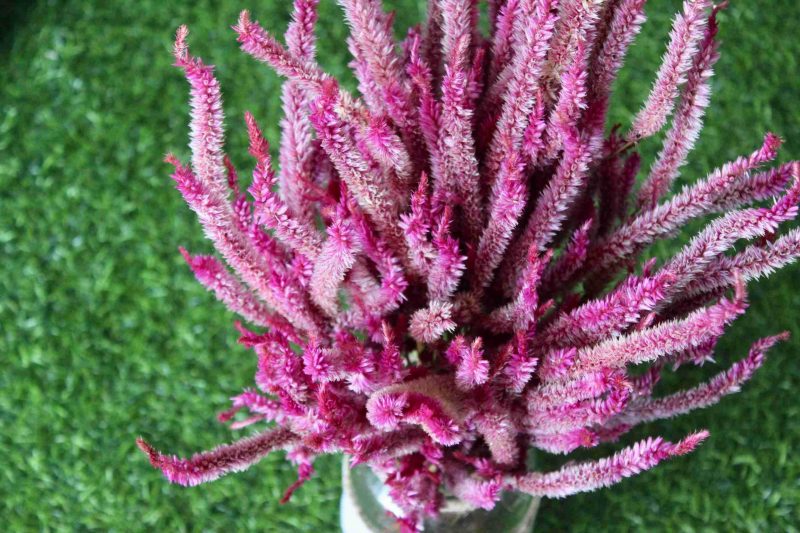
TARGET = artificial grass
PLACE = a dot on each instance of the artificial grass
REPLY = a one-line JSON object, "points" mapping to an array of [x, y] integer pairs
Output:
{"points": [[107, 336]]}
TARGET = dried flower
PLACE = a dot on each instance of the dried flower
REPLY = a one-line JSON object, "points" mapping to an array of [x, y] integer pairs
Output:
{"points": [[444, 266]]}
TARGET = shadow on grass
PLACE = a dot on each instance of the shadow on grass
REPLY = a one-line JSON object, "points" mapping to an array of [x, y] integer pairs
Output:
{"points": [[14, 15]]}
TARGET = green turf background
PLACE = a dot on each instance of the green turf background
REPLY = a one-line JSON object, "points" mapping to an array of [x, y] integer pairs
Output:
{"points": [[105, 335]]}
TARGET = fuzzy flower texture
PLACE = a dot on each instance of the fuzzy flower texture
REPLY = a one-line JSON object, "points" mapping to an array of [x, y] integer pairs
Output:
{"points": [[444, 272]]}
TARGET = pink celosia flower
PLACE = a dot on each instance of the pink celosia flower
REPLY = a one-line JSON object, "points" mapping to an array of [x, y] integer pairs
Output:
{"points": [[444, 268]]}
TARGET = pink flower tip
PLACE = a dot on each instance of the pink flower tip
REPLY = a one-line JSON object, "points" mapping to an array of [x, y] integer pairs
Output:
{"points": [[772, 143], [243, 25], [156, 458], [387, 411], [181, 48], [259, 146], [691, 442], [172, 160]]}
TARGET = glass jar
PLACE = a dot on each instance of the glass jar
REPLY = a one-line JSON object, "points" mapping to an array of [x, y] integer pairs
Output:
{"points": [[365, 500]]}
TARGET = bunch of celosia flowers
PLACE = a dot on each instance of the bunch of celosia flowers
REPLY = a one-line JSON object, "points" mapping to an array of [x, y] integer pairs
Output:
{"points": [[443, 270]]}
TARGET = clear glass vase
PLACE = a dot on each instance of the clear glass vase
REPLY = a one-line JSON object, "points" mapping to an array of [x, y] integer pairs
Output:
{"points": [[365, 500]]}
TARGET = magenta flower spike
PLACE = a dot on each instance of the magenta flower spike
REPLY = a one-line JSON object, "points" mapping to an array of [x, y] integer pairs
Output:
{"points": [[589, 476], [687, 31], [443, 272], [687, 122]]}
